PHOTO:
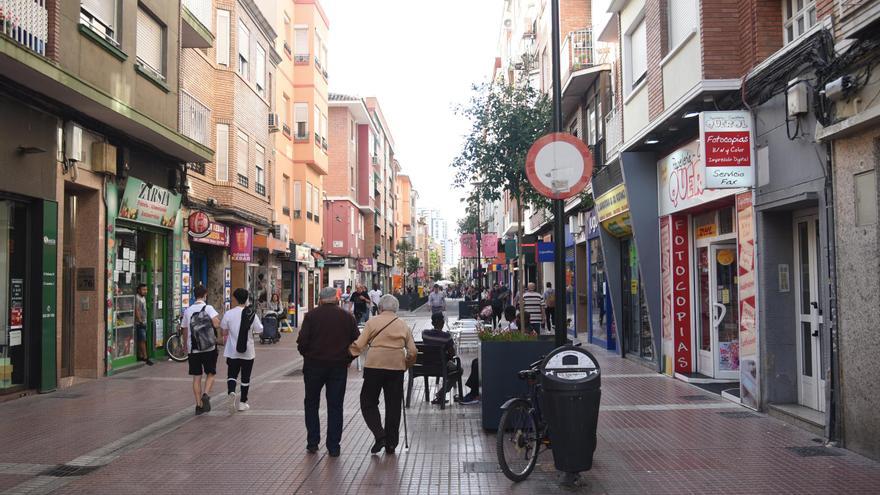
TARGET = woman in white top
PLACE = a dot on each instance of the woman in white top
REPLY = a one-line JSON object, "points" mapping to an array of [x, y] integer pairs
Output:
{"points": [[239, 349]]}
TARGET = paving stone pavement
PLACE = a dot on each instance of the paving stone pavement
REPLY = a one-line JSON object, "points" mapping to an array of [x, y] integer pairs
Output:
{"points": [[135, 433]]}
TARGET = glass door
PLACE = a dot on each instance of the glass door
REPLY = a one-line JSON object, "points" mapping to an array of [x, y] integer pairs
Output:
{"points": [[705, 347], [726, 311], [14, 321], [811, 371]]}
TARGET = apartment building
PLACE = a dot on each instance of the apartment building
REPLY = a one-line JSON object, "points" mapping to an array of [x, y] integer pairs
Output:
{"points": [[350, 201], [226, 102], [381, 149], [94, 173]]}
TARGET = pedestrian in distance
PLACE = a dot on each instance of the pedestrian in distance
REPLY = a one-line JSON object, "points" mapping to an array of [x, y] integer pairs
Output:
{"points": [[199, 330], [238, 326], [140, 323], [392, 351], [435, 336], [324, 338], [436, 300], [360, 298], [549, 305], [533, 306], [346, 299], [375, 295]]}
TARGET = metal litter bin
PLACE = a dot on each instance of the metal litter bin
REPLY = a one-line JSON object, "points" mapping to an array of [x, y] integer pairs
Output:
{"points": [[570, 380]]}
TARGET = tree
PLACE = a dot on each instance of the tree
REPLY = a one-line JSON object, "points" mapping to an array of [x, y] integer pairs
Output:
{"points": [[506, 119], [412, 264], [468, 224], [453, 274], [404, 247]]}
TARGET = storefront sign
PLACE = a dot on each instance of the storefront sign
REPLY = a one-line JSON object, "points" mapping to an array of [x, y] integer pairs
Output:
{"points": [[545, 252], [468, 245], [592, 224], [510, 249], [727, 147], [242, 245], [149, 204], [666, 279], [681, 294], [202, 229], [366, 265], [85, 279], [16, 306], [748, 322], [489, 245], [681, 181], [704, 231], [303, 254], [612, 203]]}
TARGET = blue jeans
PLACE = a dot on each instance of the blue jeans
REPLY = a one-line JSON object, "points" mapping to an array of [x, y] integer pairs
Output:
{"points": [[315, 379]]}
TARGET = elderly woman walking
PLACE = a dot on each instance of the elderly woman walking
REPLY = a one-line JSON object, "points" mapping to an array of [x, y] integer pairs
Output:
{"points": [[392, 351]]}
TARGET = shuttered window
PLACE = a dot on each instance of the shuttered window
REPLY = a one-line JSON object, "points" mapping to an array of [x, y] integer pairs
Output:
{"points": [[301, 42], [308, 201], [222, 156], [150, 42], [637, 54], [297, 199], [301, 118], [260, 70], [241, 165], [100, 15], [222, 37], [317, 124], [244, 45], [260, 166], [683, 15]]}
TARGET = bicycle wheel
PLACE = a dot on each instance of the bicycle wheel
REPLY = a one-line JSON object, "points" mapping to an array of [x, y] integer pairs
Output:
{"points": [[517, 441], [175, 348]]}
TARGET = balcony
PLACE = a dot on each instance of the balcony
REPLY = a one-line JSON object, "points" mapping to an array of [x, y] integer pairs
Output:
{"points": [[196, 29], [194, 119], [26, 22], [260, 189], [613, 132], [577, 52]]}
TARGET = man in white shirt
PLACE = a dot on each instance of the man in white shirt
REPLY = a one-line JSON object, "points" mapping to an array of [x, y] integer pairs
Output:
{"points": [[203, 359], [437, 300], [375, 295], [239, 350]]}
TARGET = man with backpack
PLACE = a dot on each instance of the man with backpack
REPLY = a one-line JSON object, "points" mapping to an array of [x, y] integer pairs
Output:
{"points": [[549, 306], [239, 325], [199, 330]]}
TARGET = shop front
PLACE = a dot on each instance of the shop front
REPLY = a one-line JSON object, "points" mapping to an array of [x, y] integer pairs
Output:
{"points": [[146, 227], [600, 327], [207, 259], [307, 281]]}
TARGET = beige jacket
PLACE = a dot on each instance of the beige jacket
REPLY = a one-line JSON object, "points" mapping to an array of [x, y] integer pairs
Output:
{"points": [[393, 348]]}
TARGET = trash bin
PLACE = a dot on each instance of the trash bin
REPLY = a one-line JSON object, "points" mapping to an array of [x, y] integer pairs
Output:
{"points": [[570, 381]]}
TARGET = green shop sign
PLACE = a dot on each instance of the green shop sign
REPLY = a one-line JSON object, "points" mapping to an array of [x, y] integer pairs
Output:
{"points": [[149, 204]]}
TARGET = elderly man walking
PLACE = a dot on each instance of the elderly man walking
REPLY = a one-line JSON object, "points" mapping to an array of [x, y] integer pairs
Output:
{"points": [[327, 332]]}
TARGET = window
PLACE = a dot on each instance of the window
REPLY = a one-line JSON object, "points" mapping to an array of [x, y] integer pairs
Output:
{"points": [[260, 69], [222, 37], [637, 57], [683, 17], [353, 131], [285, 112], [353, 172], [799, 15], [308, 200], [259, 166], [361, 227], [318, 127], [297, 199], [324, 131], [866, 198], [244, 44], [285, 195], [301, 44], [222, 157], [150, 44], [301, 119], [316, 201], [318, 46], [287, 47], [241, 161], [351, 221], [101, 17]]}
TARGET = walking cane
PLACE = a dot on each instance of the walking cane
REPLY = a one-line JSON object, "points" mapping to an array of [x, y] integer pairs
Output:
{"points": [[403, 406]]}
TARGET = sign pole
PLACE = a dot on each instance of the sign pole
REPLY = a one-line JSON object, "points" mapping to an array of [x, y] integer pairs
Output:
{"points": [[560, 312]]}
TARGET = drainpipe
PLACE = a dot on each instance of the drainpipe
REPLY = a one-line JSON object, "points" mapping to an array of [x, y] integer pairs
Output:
{"points": [[833, 427]]}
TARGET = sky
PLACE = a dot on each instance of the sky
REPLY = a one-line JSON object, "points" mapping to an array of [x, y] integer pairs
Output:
{"points": [[420, 60]]}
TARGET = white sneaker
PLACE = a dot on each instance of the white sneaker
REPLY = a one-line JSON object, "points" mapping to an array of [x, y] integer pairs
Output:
{"points": [[230, 402], [243, 406]]}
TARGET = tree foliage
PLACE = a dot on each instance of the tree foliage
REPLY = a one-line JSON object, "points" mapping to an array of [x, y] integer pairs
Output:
{"points": [[505, 121], [412, 264]]}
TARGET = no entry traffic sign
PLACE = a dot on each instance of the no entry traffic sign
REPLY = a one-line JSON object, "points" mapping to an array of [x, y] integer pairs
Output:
{"points": [[559, 165]]}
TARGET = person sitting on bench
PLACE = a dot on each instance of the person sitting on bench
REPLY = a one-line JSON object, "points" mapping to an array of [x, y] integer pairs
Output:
{"points": [[437, 337]]}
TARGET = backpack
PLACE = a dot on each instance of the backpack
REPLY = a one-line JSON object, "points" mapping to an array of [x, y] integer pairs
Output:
{"points": [[201, 330], [551, 300]]}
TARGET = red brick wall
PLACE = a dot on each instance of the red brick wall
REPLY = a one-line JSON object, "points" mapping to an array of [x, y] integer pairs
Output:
{"points": [[760, 24], [338, 182], [340, 230], [656, 28], [364, 168], [574, 15], [54, 10], [721, 38]]}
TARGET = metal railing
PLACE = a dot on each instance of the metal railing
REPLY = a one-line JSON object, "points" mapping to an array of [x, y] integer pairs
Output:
{"points": [[613, 132], [26, 22], [201, 10], [577, 52], [194, 119]]}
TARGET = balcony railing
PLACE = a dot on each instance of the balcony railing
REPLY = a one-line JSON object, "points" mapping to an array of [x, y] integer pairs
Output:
{"points": [[577, 52], [26, 22], [194, 119], [613, 132], [260, 189], [201, 10]]}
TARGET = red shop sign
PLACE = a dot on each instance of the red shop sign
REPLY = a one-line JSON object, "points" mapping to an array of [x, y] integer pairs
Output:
{"points": [[681, 294]]}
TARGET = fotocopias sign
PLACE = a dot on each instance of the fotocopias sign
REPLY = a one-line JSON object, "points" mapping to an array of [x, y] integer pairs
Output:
{"points": [[727, 148]]}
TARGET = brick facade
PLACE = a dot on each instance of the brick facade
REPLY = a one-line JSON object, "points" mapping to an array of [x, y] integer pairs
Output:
{"points": [[656, 27]]}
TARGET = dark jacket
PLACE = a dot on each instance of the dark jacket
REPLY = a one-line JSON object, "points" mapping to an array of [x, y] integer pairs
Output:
{"points": [[439, 338], [326, 333]]}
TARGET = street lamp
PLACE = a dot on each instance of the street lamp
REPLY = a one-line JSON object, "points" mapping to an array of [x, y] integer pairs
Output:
{"points": [[477, 185]]}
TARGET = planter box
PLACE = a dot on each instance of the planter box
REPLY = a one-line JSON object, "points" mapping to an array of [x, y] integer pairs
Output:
{"points": [[499, 363]]}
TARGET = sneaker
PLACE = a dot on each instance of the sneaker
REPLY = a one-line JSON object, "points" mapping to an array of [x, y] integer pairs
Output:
{"points": [[333, 453], [439, 400], [230, 402], [243, 406], [471, 401], [200, 411], [206, 403], [312, 449], [389, 450], [378, 446], [149, 362]]}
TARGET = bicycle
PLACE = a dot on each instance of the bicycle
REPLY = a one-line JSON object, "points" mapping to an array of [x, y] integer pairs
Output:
{"points": [[522, 430], [174, 344]]}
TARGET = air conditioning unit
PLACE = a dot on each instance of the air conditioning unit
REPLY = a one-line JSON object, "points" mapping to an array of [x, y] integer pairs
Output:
{"points": [[274, 123], [104, 158], [573, 225], [73, 142]]}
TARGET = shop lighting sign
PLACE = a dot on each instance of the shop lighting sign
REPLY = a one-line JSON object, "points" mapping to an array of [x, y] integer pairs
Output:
{"points": [[727, 147]]}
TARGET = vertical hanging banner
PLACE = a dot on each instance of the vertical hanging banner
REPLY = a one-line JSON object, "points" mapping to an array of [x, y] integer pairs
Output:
{"points": [[727, 148], [242, 245], [489, 245], [666, 289], [468, 245], [681, 294], [748, 321]]}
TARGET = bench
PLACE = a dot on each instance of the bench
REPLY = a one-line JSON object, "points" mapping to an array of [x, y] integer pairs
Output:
{"points": [[431, 362]]}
